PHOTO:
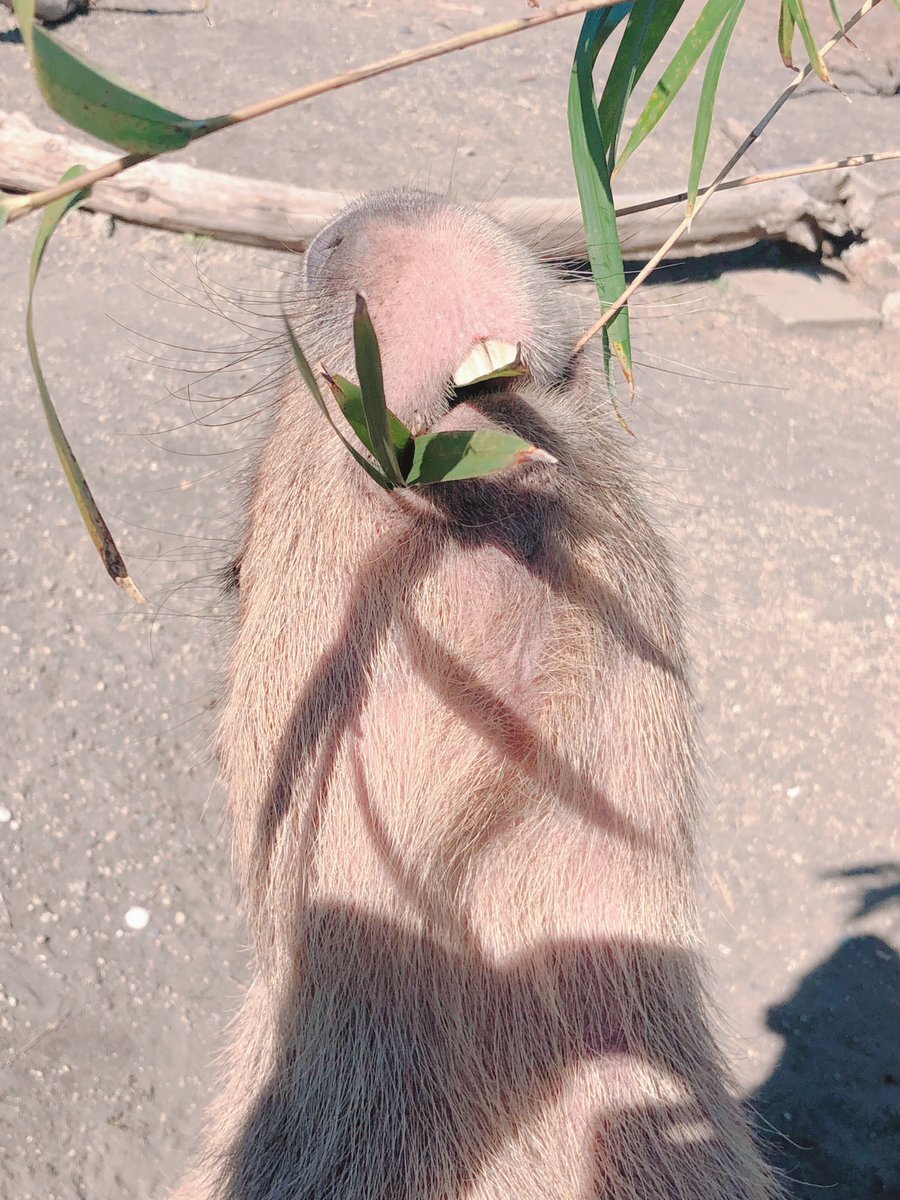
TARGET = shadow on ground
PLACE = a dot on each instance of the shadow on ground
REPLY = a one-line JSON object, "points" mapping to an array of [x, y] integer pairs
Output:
{"points": [[708, 268], [830, 1111]]}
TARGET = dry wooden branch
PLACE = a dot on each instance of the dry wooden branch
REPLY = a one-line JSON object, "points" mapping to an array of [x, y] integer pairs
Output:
{"points": [[189, 200]]}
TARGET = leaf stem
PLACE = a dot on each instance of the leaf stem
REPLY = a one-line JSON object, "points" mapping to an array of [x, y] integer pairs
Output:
{"points": [[650, 266]]}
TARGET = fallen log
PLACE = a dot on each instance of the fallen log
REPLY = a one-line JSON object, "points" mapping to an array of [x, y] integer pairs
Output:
{"points": [[171, 195]]}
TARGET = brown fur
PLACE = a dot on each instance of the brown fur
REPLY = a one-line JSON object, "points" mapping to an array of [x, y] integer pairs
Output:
{"points": [[459, 745]]}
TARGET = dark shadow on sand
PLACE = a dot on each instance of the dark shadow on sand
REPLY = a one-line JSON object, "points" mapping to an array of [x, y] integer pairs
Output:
{"points": [[707, 268], [830, 1111]]}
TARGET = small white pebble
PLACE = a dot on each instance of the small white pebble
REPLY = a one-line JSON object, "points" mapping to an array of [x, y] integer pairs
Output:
{"points": [[137, 918], [5, 815], [793, 792], [15, 826], [180, 918]]}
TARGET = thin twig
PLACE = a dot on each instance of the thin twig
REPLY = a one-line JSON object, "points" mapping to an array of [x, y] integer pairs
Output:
{"points": [[38, 1037], [249, 112], [853, 160], [462, 41], [708, 192]]}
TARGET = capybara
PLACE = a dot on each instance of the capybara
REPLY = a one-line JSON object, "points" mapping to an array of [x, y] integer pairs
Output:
{"points": [[459, 743]]}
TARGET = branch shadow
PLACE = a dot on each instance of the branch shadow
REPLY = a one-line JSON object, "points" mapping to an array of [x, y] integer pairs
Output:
{"points": [[523, 523], [885, 876], [412, 1076], [715, 265], [137, 11]]}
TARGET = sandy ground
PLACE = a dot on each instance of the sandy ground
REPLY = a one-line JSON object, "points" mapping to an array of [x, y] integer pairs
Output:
{"points": [[773, 459]]}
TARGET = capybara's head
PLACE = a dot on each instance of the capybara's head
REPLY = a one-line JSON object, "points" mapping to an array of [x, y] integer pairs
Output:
{"points": [[453, 296]]}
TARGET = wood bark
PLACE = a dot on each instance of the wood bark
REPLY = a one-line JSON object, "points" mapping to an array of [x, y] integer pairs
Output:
{"points": [[172, 195]]}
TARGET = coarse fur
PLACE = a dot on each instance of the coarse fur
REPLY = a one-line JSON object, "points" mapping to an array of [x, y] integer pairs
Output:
{"points": [[459, 743]]}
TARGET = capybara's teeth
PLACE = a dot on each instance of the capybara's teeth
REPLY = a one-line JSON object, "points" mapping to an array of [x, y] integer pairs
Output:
{"points": [[476, 364], [483, 359], [501, 354]]}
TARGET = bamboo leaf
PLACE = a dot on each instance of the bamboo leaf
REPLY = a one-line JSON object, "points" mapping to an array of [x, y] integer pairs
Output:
{"points": [[683, 62], [90, 513], [368, 369], [594, 188], [350, 402], [310, 380], [648, 23], [798, 12], [786, 35], [469, 454], [836, 13], [97, 103], [707, 103]]}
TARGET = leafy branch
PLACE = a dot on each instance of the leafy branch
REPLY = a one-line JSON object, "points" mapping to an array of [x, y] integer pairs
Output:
{"points": [[93, 102], [115, 113], [706, 195], [144, 129]]}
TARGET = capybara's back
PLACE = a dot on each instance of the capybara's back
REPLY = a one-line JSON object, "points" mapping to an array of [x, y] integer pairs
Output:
{"points": [[458, 739]]}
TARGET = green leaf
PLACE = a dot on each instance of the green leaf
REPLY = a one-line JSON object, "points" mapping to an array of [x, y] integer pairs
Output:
{"points": [[97, 103], [350, 402], [310, 380], [368, 369], [836, 13], [648, 23], [672, 80], [594, 189], [514, 370], [708, 101], [431, 458], [798, 13], [469, 454], [90, 513], [786, 35]]}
